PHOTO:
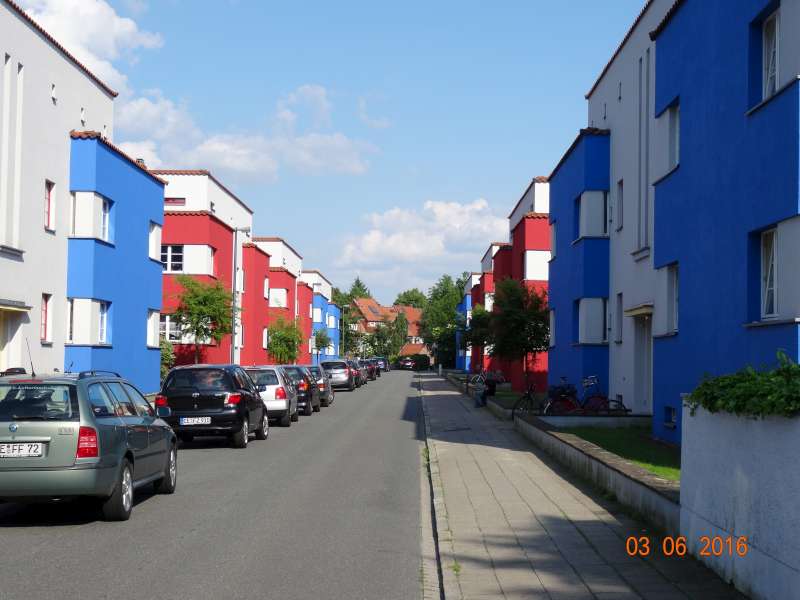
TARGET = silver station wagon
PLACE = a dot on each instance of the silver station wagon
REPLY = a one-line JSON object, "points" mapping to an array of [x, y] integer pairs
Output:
{"points": [[90, 434]]}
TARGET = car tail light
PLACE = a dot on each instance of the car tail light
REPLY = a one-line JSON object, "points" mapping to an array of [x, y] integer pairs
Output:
{"points": [[321, 387], [302, 386], [161, 400], [87, 443], [280, 393], [233, 399]]}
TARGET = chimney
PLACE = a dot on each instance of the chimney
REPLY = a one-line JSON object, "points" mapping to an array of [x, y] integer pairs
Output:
{"points": [[140, 162]]}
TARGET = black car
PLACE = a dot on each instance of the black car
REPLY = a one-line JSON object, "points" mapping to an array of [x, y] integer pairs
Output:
{"points": [[213, 400], [308, 396]]}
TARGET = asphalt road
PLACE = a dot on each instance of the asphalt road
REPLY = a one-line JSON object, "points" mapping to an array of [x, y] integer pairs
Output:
{"points": [[328, 508]]}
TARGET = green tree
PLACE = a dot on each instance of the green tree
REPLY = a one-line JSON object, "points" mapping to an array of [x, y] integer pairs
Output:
{"points": [[359, 290], [378, 342], [479, 333], [321, 340], [167, 357], [413, 297], [398, 336], [439, 321], [205, 312], [284, 341], [520, 322]]}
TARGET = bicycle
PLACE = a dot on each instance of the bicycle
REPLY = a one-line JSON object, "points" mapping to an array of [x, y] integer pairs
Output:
{"points": [[593, 402], [528, 403]]}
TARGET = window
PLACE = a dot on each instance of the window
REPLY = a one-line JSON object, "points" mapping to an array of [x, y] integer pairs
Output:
{"points": [[331, 322], [102, 329], [318, 315], [83, 117], [672, 298], [153, 327], [240, 336], [310, 345], [618, 320], [100, 401], [140, 402], [154, 240], [605, 320], [265, 338], [105, 218], [172, 258], [73, 210], [488, 301], [49, 208], [45, 333], [674, 136], [278, 298], [620, 204], [70, 319], [552, 328], [552, 241], [605, 213], [53, 95], [240, 280], [768, 276], [174, 201], [310, 312], [126, 406], [266, 288], [770, 40], [168, 328]]}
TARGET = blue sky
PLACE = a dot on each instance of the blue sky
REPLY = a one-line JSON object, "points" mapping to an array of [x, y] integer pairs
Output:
{"points": [[389, 140]]}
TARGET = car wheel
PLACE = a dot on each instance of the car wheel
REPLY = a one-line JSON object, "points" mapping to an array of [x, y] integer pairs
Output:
{"points": [[262, 432], [286, 419], [332, 398], [241, 437], [307, 409], [168, 483], [352, 386], [118, 506], [317, 406], [296, 416], [324, 402]]}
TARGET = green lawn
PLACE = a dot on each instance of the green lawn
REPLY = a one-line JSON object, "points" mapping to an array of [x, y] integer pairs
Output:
{"points": [[636, 445]]}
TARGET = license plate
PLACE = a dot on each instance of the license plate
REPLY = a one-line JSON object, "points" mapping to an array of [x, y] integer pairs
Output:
{"points": [[21, 450], [195, 421]]}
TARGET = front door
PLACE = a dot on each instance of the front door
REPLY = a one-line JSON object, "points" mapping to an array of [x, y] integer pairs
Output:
{"points": [[643, 401]]}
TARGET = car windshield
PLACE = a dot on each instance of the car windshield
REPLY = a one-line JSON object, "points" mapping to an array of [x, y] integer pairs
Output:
{"points": [[295, 373], [201, 379], [315, 371], [38, 402], [264, 377], [330, 366]]}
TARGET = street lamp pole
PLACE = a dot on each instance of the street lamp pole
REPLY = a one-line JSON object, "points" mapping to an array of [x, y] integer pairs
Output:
{"points": [[234, 304]]}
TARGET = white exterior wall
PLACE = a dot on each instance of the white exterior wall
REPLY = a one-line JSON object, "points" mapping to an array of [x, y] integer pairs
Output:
{"points": [[487, 262], [282, 256], [635, 279], [537, 265], [198, 260], [318, 284], [535, 199], [473, 280], [34, 147]]}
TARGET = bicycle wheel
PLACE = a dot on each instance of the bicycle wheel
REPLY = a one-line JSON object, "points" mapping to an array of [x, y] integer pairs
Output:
{"points": [[596, 404]]}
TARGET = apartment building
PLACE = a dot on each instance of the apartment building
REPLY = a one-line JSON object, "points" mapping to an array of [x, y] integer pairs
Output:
{"points": [[45, 93], [325, 314], [464, 309], [206, 228]]}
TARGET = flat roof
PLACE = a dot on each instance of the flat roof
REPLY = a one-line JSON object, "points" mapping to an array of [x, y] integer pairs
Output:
{"points": [[205, 173]]}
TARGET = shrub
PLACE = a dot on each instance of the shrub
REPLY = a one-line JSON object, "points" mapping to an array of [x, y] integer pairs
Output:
{"points": [[750, 392]]}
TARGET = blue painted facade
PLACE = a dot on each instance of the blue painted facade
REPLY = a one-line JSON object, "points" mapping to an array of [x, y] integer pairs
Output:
{"points": [[580, 267], [737, 176], [120, 271], [327, 310], [463, 308]]}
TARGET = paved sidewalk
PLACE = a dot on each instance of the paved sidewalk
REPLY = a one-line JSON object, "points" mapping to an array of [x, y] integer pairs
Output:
{"points": [[513, 524]]}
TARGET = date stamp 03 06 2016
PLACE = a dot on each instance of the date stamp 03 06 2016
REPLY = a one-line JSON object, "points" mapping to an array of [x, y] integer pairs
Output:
{"points": [[676, 546]]}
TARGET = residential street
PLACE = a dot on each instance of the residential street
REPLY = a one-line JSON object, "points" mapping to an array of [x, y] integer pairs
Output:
{"points": [[328, 508]]}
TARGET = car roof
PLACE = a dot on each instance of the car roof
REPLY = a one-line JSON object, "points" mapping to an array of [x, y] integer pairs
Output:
{"points": [[204, 366], [63, 378]]}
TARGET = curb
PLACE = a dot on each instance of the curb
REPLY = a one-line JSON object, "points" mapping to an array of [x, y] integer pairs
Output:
{"points": [[442, 535]]}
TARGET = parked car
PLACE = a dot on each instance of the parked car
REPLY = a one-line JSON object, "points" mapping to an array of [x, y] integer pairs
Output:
{"points": [[374, 362], [406, 363], [85, 434], [213, 400], [371, 367], [361, 370], [278, 393], [307, 391], [383, 363], [340, 374], [326, 394]]}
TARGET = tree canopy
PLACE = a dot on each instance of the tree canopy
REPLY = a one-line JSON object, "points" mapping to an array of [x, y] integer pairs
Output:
{"points": [[284, 341], [359, 289], [413, 297], [520, 320], [204, 313], [321, 340], [440, 319]]}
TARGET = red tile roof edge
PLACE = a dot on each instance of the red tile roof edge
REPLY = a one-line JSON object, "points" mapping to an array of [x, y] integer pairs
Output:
{"points": [[537, 179], [256, 247], [667, 18], [208, 174], [583, 132], [536, 215], [284, 269], [96, 135], [276, 239], [647, 5], [197, 213], [15, 8]]}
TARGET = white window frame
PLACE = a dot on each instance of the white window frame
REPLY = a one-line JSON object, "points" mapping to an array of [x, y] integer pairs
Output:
{"points": [[153, 326], [674, 125], [70, 334], [102, 322], [105, 220], [168, 328], [605, 320], [770, 71], [552, 240], [154, 239], [265, 338], [552, 327], [46, 318], [266, 288], [314, 316], [673, 298], [50, 203], [168, 265], [769, 266], [618, 317], [620, 204]]}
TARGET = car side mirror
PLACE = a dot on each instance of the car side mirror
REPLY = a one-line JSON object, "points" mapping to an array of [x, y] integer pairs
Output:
{"points": [[261, 388], [163, 411]]}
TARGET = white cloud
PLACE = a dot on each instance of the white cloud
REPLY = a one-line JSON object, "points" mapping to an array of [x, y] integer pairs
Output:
{"points": [[146, 150], [374, 122], [94, 33], [311, 98]]}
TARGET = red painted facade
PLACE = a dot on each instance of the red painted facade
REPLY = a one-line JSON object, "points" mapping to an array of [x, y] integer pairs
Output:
{"points": [[280, 278], [305, 299], [198, 228], [255, 305]]}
